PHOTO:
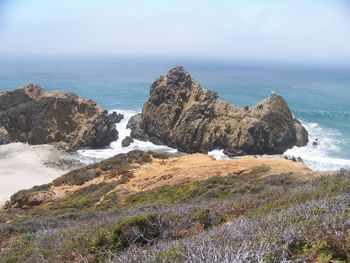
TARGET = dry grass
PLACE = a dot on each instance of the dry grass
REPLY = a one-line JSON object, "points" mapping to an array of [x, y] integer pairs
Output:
{"points": [[265, 214], [284, 221]]}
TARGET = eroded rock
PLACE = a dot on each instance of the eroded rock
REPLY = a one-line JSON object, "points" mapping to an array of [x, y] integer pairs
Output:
{"points": [[31, 115], [127, 141], [181, 114], [115, 117]]}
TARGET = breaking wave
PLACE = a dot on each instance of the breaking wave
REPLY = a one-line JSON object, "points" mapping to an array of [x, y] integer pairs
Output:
{"points": [[321, 156], [94, 155]]}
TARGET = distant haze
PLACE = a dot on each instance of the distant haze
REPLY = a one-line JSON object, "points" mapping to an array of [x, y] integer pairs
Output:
{"points": [[272, 30]]}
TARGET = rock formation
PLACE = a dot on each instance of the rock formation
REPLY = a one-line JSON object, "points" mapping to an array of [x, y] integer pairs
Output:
{"points": [[31, 115], [127, 141], [183, 115], [115, 117]]}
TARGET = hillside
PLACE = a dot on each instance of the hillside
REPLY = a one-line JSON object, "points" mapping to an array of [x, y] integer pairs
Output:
{"points": [[144, 207]]}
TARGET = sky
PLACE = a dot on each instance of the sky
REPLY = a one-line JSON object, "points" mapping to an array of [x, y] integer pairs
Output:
{"points": [[313, 31]]}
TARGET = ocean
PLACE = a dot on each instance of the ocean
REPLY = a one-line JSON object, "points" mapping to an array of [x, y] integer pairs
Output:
{"points": [[318, 96]]}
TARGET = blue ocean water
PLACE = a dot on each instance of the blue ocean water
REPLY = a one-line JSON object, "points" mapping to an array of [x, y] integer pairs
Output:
{"points": [[319, 96]]}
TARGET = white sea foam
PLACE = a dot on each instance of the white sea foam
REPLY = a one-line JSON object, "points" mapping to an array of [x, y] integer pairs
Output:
{"points": [[219, 155], [316, 157], [90, 156], [320, 157]]}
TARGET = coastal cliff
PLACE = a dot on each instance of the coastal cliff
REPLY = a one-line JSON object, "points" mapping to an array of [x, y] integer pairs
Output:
{"points": [[32, 115], [181, 114]]}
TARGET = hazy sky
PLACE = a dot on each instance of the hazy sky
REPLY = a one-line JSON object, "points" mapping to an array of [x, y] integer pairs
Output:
{"points": [[312, 31]]}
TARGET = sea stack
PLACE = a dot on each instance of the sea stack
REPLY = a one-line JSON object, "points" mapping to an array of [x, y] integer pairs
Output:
{"points": [[32, 115], [181, 114]]}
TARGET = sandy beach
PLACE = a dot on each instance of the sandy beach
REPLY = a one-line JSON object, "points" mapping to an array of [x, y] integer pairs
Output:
{"points": [[21, 167]]}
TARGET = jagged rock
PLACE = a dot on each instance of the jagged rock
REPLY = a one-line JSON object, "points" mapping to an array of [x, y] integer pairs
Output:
{"points": [[294, 159], [65, 164], [114, 117], [127, 141], [183, 115], [31, 115]]}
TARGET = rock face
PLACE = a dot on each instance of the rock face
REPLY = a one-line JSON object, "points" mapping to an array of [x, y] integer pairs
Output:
{"points": [[115, 117], [31, 115], [183, 115], [127, 141]]}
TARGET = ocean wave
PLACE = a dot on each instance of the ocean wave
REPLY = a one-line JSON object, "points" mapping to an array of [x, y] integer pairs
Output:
{"points": [[90, 156], [323, 155], [320, 157], [325, 114], [219, 155]]}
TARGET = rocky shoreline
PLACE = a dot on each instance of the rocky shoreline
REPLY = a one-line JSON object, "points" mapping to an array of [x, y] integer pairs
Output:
{"points": [[179, 113]]}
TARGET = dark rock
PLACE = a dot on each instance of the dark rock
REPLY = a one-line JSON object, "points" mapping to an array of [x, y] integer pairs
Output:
{"points": [[33, 116], [114, 117], [134, 126], [127, 141], [183, 115], [294, 159], [65, 164]]}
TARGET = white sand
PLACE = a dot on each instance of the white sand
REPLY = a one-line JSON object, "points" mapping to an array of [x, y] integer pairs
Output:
{"points": [[21, 167]]}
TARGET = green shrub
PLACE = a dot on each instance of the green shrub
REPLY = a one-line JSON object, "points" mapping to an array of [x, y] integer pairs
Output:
{"points": [[100, 239], [21, 249], [299, 247], [138, 229], [203, 217], [172, 254], [85, 198]]}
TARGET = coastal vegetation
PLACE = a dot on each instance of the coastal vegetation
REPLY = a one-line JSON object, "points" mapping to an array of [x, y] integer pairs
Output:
{"points": [[257, 216]]}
